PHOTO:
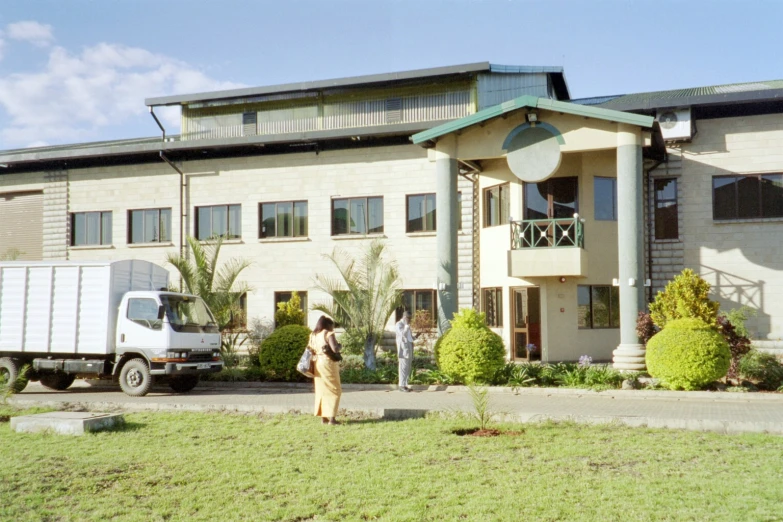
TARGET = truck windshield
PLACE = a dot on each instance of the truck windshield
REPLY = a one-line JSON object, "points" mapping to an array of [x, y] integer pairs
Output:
{"points": [[188, 314]]}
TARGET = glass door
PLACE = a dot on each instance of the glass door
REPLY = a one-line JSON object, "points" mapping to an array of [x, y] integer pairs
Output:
{"points": [[526, 318]]}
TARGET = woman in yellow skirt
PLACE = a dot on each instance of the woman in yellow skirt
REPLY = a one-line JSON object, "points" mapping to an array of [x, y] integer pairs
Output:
{"points": [[327, 372]]}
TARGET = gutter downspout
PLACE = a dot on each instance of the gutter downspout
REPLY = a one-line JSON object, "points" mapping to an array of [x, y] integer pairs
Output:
{"points": [[182, 215], [152, 112]]}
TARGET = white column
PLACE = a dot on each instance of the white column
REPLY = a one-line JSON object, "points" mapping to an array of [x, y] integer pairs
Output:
{"points": [[446, 172], [629, 355]]}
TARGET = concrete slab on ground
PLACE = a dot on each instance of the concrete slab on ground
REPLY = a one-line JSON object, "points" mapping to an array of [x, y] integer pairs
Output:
{"points": [[66, 422]]}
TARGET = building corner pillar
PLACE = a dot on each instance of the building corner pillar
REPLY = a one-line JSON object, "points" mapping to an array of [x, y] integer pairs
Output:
{"points": [[630, 354], [446, 217]]}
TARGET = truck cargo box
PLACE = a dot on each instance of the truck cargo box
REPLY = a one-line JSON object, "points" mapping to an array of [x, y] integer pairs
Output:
{"points": [[68, 307]]}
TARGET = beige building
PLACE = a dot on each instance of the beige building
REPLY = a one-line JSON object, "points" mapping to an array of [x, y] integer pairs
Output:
{"points": [[289, 173]]}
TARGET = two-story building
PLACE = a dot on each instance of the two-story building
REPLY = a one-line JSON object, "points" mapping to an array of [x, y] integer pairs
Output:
{"points": [[490, 187]]}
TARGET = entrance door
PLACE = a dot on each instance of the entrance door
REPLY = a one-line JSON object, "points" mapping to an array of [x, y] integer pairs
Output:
{"points": [[526, 319]]}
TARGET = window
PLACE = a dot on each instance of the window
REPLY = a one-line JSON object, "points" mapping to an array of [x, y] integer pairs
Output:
{"points": [[605, 198], [149, 226], [747, 197], [283, 219], [219, 221], [666, 224], [90, 228], [357, 216], [421, 213], [238, 317], [144, 312], [496, 205], [284, 297], [598, 306], [492, 303], [415, 301], [556, 198]]}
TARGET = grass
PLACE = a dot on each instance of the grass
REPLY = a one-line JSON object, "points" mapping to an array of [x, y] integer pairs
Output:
{"points": [[188, 466]]}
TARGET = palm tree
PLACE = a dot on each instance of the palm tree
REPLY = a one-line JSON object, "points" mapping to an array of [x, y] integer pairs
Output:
{"points": [[364, 296], [217, 286]]}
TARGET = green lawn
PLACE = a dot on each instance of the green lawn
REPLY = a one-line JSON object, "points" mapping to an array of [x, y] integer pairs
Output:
{"points": [[231, 467]]}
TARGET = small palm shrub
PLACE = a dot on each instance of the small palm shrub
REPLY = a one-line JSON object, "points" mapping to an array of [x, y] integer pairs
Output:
{"points": [[761, 368], [470, 352], [688, 354], [685, 296], [281, 351]]}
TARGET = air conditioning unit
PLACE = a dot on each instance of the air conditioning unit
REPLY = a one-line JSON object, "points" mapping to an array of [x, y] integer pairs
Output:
{"points": [[675, 123]]}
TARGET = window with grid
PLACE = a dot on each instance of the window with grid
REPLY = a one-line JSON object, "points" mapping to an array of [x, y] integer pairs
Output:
{"points": [[149, 226], [415, 301], [283, 219], [219, 221], [666, 221], [496, 205], [598, 306], [747, 196], [90, 228], [492, 305], [357, 216]]}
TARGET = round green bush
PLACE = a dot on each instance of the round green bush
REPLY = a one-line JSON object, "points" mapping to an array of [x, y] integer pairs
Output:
{"points": [[281, 351], [471, 354], [688, 354]]}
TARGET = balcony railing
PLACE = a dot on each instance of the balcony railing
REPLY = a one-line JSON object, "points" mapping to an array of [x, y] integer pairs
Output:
{"points": [[547, 233]]}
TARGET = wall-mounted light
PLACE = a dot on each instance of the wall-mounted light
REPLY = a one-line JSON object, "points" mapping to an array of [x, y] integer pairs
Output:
{"points": [[615, 282], [562, 279], [532, 117]]}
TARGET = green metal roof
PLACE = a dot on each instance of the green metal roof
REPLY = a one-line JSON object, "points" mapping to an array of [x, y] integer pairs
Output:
{"points": [[532, 102], [711, 94]]}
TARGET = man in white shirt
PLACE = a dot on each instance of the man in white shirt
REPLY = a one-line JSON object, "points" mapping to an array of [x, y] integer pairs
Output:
{"points": [[404, 350]]}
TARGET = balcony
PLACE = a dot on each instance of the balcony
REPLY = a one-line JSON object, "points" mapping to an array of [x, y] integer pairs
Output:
{"points": [[547, 248]]}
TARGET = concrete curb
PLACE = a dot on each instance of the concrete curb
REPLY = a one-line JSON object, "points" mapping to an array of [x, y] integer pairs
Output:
{"points": [[625, 394]]}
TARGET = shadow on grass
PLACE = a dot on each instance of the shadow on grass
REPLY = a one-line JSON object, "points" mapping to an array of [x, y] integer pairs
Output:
{"points": [[125, 427]]}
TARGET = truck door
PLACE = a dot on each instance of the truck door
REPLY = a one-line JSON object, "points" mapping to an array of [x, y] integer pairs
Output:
{"points": [[139, 327]]}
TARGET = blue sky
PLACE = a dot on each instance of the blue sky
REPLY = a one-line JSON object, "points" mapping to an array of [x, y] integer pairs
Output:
{"points": [[79, 70]]}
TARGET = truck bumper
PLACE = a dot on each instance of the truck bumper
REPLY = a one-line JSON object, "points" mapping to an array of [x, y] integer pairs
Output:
{"points": [[189, 368]]}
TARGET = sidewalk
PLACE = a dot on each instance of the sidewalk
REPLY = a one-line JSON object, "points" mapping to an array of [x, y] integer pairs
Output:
{"points": [[703, 411]]}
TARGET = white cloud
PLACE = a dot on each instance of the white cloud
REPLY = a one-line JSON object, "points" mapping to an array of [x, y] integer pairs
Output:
{"points": [[30, 31], [92, 94], [2, 44]]}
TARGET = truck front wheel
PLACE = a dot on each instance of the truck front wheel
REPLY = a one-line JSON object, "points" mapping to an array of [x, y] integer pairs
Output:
{"points": [[57, 381], [135, 378], [183, 383], [11, 375]]}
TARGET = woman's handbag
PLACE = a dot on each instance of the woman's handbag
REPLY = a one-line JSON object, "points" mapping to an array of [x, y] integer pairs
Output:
{"points": [[306, 364], [335, 356]]}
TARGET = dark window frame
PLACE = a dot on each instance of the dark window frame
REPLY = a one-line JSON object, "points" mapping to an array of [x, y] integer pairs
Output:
{"points": [[102, 239], [262, 234], [614, 320], [736, 196], [662, 203], [423, 218], [366, 199], [144, 217], [227, 235], [434, 311], [501, 216], [494, 294], [290, 293], [614, 198]]}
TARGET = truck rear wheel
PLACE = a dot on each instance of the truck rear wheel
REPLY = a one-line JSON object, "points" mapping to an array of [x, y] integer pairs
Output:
{"points": [[183, 383], [135, 378], [57, 381], [10, 375]]}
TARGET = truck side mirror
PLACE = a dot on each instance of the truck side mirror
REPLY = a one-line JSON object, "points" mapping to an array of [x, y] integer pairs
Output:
{"points": [[161, 312]]}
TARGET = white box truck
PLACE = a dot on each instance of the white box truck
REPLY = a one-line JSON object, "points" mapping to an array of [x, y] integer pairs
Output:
{"points": [[114, 319]]}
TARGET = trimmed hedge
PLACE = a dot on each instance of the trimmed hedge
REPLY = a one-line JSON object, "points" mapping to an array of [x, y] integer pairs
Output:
{"points": [[470, 353], [281, 351], [688, 354]]}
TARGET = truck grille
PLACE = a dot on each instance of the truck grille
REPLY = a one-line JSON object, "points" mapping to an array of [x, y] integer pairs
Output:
{"points": [[198, 357]]}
